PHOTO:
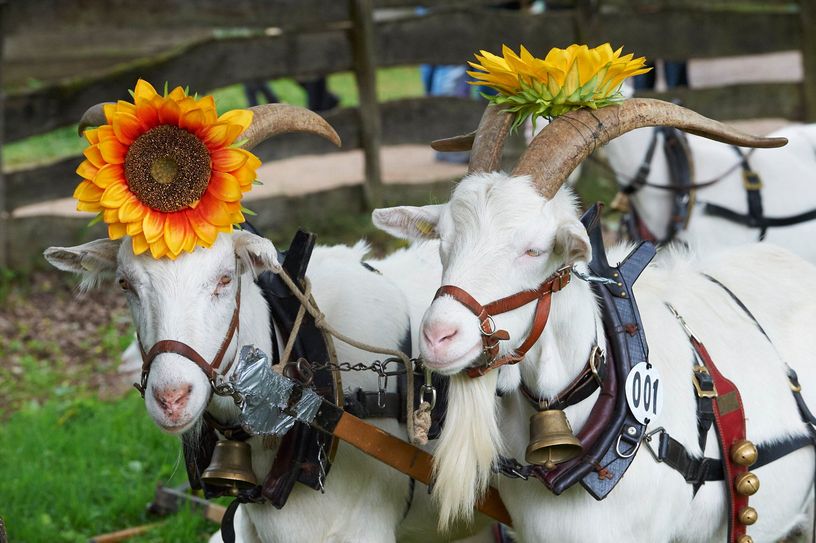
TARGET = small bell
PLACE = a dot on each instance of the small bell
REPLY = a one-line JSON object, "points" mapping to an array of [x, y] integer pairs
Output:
{"points": [[745, 539], [231, 468], [747, 515], [746, 484], [551, 439], [744, 453]]}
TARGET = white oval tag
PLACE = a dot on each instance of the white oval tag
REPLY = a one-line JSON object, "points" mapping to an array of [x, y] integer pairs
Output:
{"points": [[644, 392]]}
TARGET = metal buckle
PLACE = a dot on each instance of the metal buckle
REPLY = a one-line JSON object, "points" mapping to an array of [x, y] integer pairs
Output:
{"points": [[596, 353], [680, 318], [794, 387], [630, 453], [696, 381], [492, 323], [649, 438], [750, 180]]}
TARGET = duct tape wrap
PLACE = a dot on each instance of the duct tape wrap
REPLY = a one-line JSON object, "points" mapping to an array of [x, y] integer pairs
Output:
{"points": [[270, 406]]}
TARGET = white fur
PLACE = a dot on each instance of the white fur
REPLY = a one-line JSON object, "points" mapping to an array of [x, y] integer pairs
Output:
{"points": [[787, 174], [491, 220], [365, 500]]}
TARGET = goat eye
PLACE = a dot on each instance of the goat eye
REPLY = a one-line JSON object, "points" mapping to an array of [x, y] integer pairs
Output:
{"points": [[123, 284], [533, 252], [225, 280]]}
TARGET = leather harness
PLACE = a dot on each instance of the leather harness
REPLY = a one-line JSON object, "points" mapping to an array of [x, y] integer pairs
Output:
{"points": [[542, 295], [680, 165]]}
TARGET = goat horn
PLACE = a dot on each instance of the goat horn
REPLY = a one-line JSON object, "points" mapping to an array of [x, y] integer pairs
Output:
{"points": [[454, 144], [93, 116], [271, 119], [572, 137], [485, 143]]}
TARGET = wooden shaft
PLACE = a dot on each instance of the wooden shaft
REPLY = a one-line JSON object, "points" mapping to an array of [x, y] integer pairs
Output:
{"points": [[406, 458], [121, 535]]}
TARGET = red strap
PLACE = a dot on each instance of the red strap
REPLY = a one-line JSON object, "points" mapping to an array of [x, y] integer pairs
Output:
{"points": [[729, 420]]}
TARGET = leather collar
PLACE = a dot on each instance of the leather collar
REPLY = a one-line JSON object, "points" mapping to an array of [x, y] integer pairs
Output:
{"points": [[581, 388]]}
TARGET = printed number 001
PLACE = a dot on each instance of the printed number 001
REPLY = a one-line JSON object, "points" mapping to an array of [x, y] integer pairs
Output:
{"points": [[643, 392]]}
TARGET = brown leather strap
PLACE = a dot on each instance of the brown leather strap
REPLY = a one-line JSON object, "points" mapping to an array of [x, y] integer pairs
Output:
{"points": [[182, 349], [491, 336], [407, 459], [579, 389]]}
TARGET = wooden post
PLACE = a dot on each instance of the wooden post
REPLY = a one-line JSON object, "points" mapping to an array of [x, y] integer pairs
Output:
{"points": [[808, 48], [4, 216], [365, 71]]}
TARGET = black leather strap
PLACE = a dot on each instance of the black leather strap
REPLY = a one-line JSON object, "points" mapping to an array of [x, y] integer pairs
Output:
{"points": [[699, 470]]}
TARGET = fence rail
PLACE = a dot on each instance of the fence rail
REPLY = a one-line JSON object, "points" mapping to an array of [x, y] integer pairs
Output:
{"points": [[210, 43]]}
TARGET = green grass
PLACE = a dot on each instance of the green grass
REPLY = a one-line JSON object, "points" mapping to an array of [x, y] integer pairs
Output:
{"points": [[74, 468], [392, 83]]}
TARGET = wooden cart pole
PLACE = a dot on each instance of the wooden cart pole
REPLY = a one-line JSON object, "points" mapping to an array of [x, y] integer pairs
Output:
{"points": [[808, 47], [4, 218], [365, 71]]}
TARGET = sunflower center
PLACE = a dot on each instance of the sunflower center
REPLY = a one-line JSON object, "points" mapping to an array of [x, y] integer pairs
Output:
{"points": [[167, 168]]}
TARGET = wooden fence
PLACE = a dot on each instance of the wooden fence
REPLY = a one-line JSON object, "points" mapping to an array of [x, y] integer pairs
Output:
{"points": [[80, 52]]}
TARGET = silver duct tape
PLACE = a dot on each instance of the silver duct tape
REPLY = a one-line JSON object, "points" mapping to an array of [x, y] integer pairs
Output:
{"points": [[266, 409]]}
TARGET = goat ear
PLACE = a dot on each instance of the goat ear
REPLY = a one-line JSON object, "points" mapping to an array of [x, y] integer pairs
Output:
{"points": [[92, 260], [255, 253], [572, 243], [408, 222]]}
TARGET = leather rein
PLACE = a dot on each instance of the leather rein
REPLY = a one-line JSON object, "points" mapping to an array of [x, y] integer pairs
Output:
{"points": [[490, 335], [210, 369]]}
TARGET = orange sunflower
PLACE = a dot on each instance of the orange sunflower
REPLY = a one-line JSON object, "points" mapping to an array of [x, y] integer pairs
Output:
{"points": [[165, 170]]}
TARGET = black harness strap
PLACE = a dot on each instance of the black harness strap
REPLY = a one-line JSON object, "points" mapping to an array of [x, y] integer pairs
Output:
{"points": [[699, 470], [755, 218]]}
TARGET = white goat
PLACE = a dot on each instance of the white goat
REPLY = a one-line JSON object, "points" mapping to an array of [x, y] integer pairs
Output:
{"points": [[501, 234], [788, 177], [191, 300]]}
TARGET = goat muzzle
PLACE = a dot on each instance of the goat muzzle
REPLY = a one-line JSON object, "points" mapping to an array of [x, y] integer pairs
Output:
{"points": [[490, 335]]}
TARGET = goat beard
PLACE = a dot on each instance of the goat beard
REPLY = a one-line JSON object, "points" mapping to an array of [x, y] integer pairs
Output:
{"points": [[468, 446]]}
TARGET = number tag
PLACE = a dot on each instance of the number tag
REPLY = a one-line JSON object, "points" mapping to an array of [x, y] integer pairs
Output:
{"points": [[644, 392]]}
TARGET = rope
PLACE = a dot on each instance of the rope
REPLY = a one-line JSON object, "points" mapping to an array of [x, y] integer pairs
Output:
{"points": [[306, 305]]}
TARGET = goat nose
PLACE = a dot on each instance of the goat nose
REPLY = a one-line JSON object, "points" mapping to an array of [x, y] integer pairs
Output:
{"points": [[173, 400], [437, 334]]}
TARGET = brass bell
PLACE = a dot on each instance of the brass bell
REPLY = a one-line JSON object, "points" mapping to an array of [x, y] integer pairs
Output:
{"points": [[745, 538], [231, 467], [744, 453], [746, 484], [551, 439], [747, 515]]}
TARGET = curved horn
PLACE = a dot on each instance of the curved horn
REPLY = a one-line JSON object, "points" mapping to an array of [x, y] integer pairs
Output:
{"points": [[572, 137], [93, 116], [486, 142], [271, 119]]}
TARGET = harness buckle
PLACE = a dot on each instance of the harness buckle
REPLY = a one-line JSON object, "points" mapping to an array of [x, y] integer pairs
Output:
{"points": [[703, 383], [751, 180], [597, 355]]}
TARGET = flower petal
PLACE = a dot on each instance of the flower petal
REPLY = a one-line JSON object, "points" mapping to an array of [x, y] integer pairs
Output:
{"points": [[86, 170], [192, 120], [158, 248], [169, 112], [87, 192], [175, 230], [127, 127], [139, 244], [116, 230], [111, 173], [112, 151], [144, 90], [241, 117], [115, 195], [91, 207], [206, 231], [135, 228], [224, 186], [94, 156], [227, 160], [153, 225], [132, 211], [214, 210]]}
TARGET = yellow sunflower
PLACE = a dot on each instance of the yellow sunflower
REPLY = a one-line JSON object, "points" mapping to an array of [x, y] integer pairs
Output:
{"points": [[566, 79], [165, 171]]}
